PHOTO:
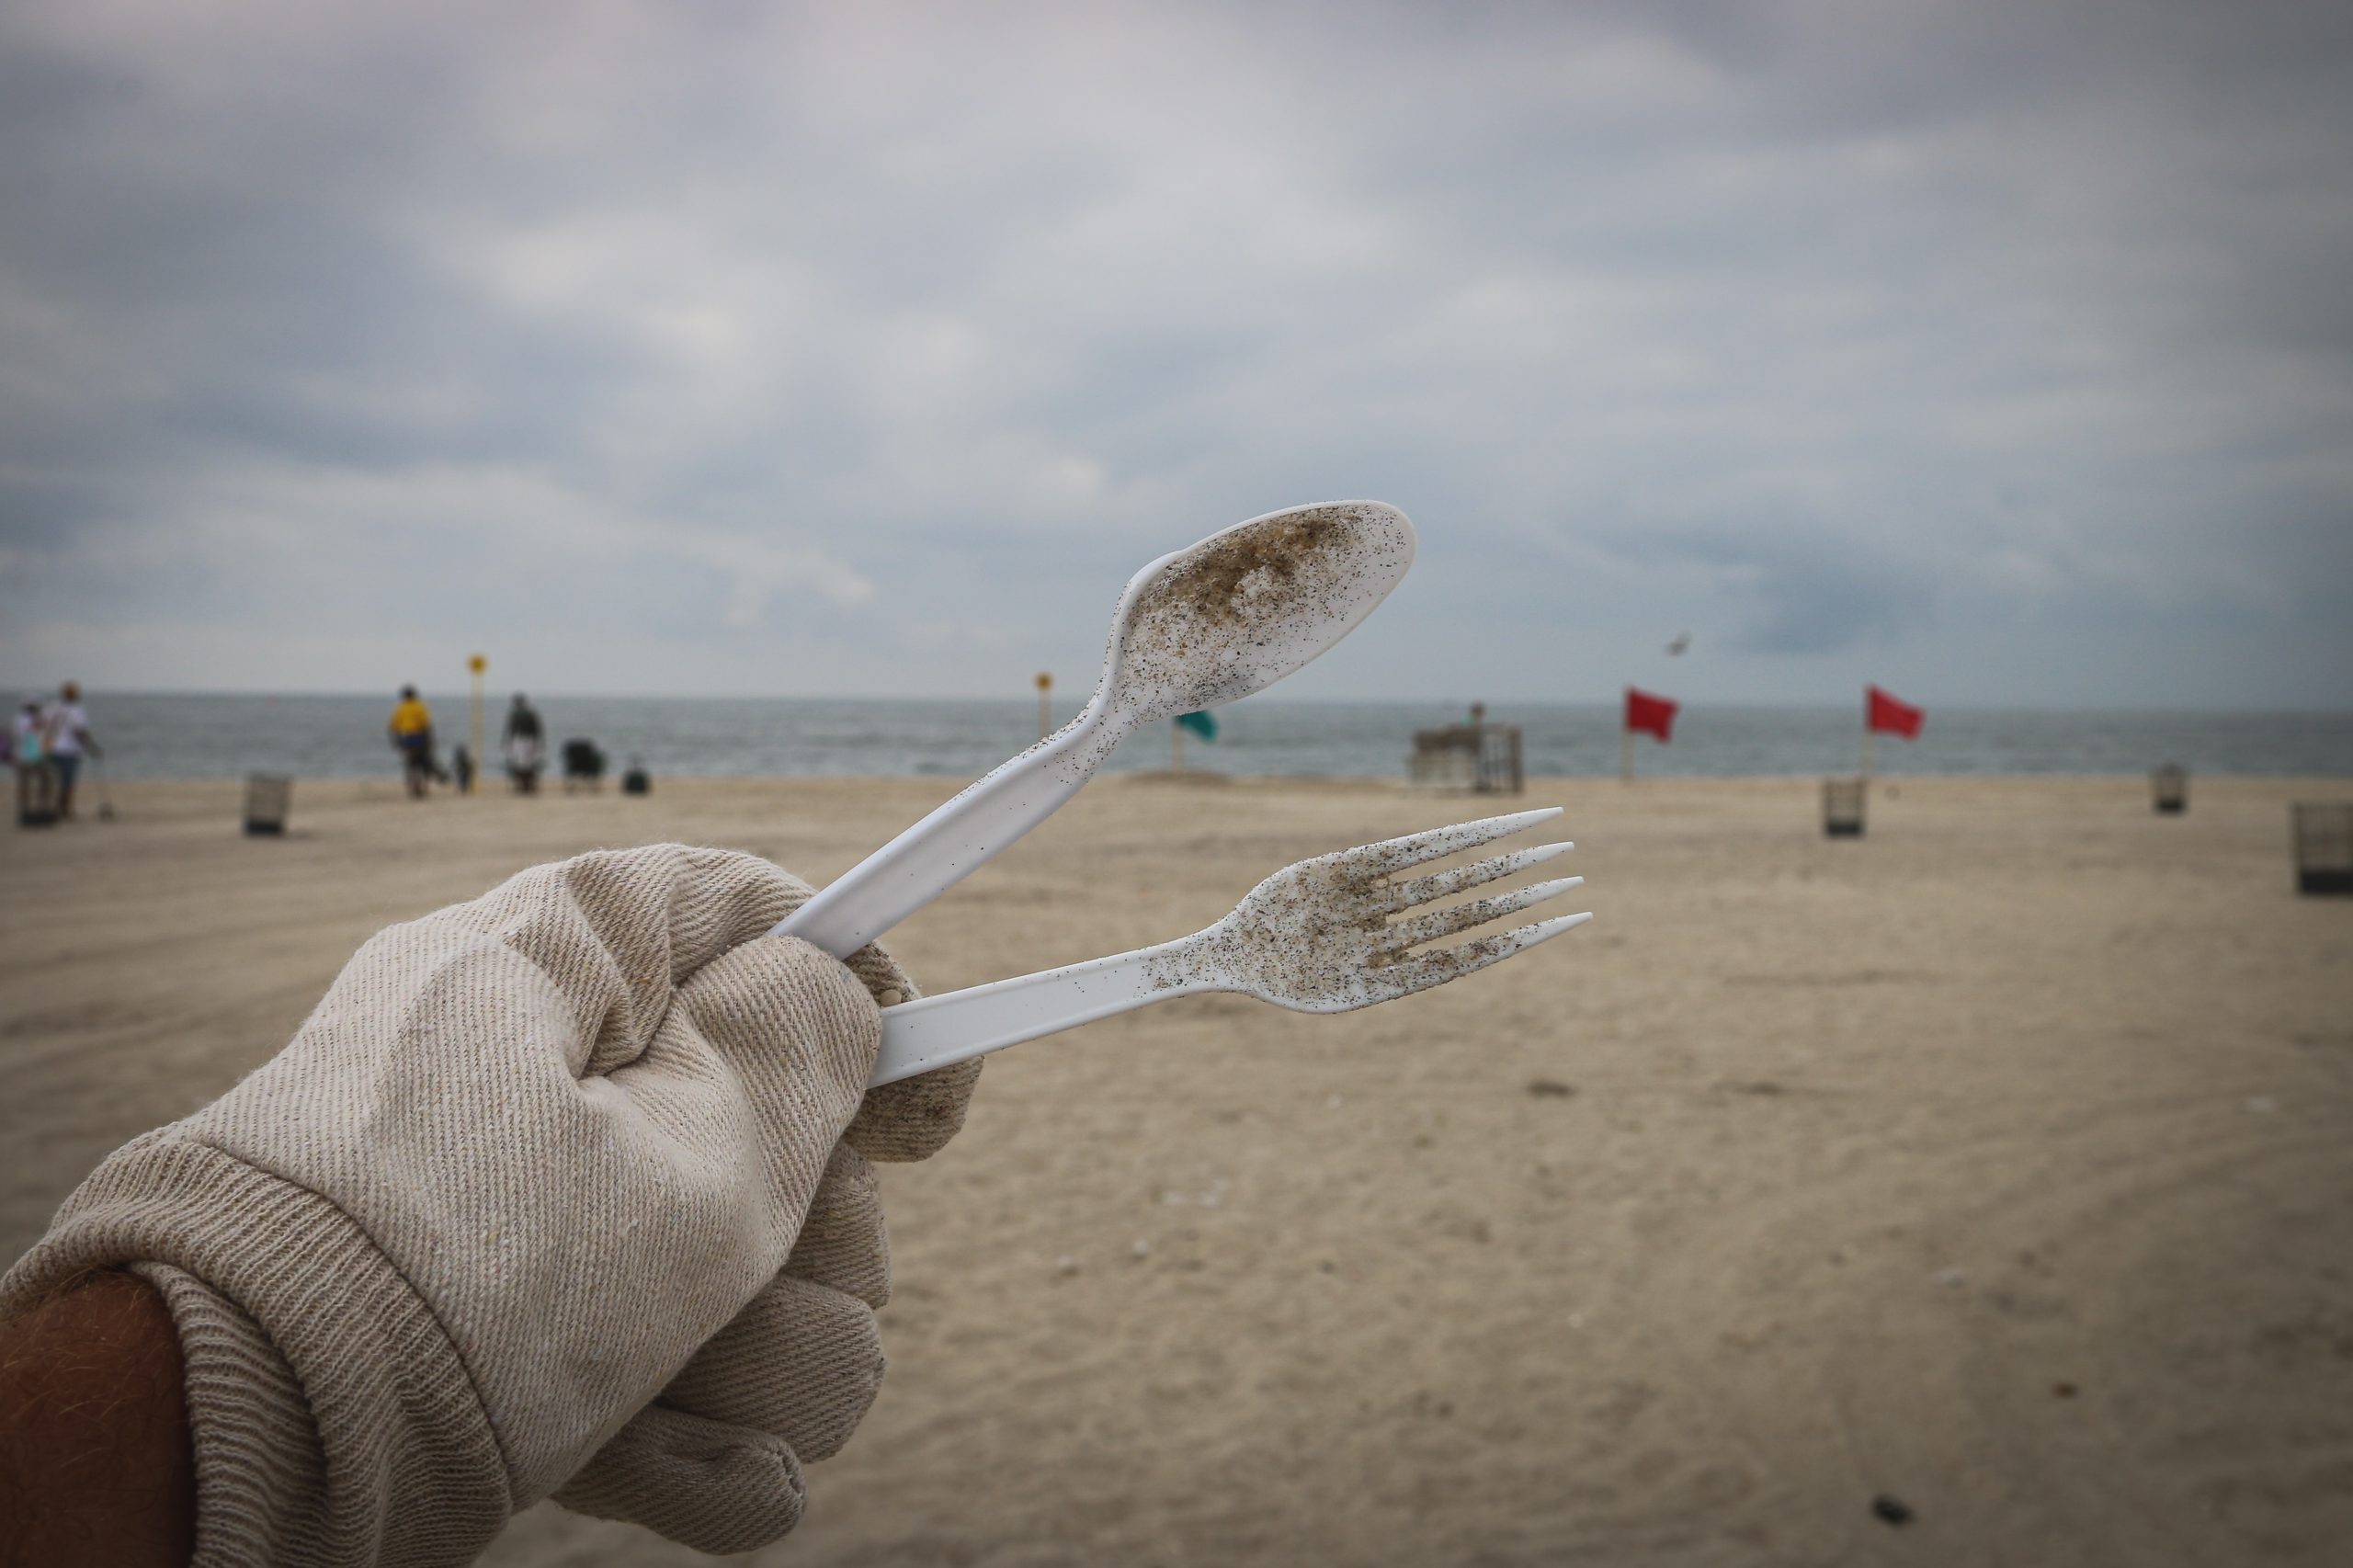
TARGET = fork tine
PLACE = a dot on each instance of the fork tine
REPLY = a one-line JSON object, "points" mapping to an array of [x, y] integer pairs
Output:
{"points": [[1421, 972], [1438, 884], [1395, 854], [1478, 912]]}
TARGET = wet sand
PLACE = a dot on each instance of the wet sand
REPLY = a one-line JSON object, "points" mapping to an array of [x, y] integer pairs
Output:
{"points": [[2000, 1162]]}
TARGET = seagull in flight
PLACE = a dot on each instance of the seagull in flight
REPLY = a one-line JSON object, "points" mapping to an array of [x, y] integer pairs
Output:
{"points": [[1682, 641]]}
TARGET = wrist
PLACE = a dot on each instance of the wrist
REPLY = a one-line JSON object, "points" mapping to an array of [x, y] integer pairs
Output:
{"points": [[95, 1461]]}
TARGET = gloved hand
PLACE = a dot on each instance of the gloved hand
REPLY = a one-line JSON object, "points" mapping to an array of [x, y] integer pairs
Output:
{"points": [[533, 1162]]}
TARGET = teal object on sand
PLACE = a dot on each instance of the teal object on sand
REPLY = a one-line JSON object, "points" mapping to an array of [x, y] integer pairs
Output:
{"points": [[1203, 724]]}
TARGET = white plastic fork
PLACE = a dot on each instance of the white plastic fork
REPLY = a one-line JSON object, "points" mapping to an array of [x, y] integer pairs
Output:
{"points": [[1315, 938]]}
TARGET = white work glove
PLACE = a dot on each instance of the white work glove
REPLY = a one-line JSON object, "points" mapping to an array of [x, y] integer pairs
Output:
{"points": [[557, 1192]]}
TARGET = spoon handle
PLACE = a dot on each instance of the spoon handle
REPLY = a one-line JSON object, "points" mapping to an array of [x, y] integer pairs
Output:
{"points": [[954, 841]]}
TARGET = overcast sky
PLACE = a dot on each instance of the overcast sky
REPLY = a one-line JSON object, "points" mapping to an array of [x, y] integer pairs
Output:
{"points": [[1999, 352]]}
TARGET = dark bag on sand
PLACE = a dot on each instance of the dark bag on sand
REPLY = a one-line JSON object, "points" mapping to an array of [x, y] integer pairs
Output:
{"points": [[583, 763]]}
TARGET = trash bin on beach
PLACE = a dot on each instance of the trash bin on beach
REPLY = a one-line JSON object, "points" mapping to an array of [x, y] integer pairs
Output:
{"points": [[2169, 790], [637, 781], [1842, 808], [2324, 845], [268, 796]]}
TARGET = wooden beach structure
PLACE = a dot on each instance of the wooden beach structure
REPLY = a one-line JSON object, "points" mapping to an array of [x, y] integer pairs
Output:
{"points": [[1477, 757], [2169, 790]]}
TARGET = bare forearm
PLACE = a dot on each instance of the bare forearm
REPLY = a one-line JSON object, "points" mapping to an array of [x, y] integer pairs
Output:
{"points": [[95, 1463]]}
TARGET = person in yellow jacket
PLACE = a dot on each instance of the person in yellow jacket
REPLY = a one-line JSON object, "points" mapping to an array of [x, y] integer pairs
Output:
{"points": [[412, 732]]}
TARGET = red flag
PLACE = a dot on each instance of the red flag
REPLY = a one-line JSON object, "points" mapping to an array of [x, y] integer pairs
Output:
{"points": [[1885, 710], [1651, 715]]}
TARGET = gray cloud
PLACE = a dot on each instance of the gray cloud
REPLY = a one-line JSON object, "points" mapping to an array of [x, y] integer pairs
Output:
{"points": [[1997, 348], [1802, 595]]}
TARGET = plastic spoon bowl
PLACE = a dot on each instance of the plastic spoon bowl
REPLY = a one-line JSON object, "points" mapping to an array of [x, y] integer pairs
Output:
{"points": [[1195, 628]]}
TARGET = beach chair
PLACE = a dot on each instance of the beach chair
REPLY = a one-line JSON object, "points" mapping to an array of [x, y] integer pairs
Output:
{"points": [[584, 766]]}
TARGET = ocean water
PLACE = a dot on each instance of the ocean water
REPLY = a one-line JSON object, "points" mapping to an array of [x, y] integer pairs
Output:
{"points": [[165, 735]]}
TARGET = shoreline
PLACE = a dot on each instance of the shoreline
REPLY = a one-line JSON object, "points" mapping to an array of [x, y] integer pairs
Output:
{"points": [[226, 738]]}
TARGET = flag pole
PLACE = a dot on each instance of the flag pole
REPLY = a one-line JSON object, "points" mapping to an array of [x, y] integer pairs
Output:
{"points": [[1176, 746], [476, 664], [1626, 756], [1868, 751], [1045, 704]]}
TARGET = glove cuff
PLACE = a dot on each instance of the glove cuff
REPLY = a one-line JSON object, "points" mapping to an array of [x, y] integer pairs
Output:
{"points": [[333, 1420], [259, 1469]]}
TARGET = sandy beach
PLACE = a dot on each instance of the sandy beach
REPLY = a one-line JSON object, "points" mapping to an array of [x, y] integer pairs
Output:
{"points": [[1997, 1163]]}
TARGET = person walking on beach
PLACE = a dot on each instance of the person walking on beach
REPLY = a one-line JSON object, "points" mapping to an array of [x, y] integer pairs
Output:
{"points": [[412, 732], [525, 745], [562, 1193], [28, 758], [65, 736]]}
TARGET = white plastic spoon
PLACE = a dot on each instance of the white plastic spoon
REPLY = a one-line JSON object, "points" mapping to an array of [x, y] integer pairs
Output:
{"points": [[1201, 627]]}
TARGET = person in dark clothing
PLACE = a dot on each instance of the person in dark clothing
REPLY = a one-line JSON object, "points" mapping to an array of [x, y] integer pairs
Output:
{"points": [[525, 745]]}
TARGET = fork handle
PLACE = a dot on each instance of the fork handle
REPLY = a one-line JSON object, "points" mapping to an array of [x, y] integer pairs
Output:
{"points": [[932, 1031]]}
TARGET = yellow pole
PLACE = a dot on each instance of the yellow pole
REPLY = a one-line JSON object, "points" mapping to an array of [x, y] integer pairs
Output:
{"points": [[1176, 746], [478, 665], [1045, 704]]}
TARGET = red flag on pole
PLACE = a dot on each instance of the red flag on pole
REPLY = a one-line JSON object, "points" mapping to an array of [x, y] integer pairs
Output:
{"points": [[1650, 715], [1885, 710]]}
